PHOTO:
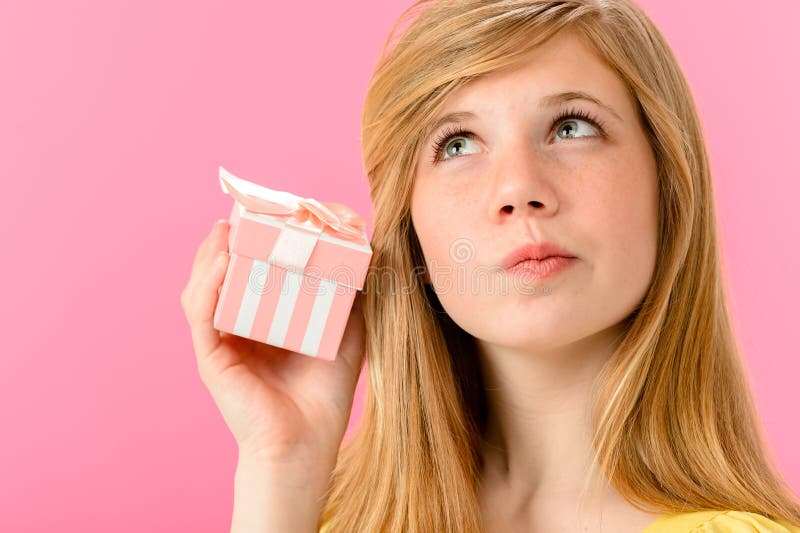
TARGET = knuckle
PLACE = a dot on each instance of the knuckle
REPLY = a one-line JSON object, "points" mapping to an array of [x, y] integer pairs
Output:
{"points": [[202, 372], [185, 300]]}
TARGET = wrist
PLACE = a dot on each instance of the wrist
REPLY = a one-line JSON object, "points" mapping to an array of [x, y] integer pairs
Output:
{"points": [[289, 473], [277, 496]]}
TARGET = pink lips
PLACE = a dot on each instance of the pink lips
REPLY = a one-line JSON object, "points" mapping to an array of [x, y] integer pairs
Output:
{"points": [[538, 260]]}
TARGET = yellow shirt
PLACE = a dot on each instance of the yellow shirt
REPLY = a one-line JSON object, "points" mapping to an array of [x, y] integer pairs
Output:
{"points": [[719, 522], [709, 522]]}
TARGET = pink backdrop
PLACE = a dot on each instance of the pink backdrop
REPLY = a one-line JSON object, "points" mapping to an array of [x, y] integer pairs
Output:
{"points": [[115, 116]]}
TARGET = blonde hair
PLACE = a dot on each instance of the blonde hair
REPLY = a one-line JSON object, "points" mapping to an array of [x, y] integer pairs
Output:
{"points": [[675, 427]]}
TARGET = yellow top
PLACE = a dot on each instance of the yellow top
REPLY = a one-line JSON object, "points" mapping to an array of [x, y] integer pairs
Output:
{"points": [[709, 522], [719, 522]]}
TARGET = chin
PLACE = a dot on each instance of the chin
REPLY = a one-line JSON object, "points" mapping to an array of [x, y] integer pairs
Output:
{"points": [[522, 330]]}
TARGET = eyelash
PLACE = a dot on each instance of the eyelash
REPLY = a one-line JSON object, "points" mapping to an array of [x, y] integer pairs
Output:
{"points": [[459, 131]]}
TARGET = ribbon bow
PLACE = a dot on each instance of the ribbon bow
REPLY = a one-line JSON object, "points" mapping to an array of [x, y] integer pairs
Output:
{"points": [[307, 213]]}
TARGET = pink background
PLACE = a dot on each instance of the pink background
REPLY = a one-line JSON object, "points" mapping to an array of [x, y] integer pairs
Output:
{"points": [[115, 116]]}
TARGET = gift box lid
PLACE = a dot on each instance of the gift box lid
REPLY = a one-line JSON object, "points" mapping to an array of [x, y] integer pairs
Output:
{"points": [[291, 241]]}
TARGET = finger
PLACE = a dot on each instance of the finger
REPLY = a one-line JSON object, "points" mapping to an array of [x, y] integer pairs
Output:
{"points": [[216, 241], [205, 295]]}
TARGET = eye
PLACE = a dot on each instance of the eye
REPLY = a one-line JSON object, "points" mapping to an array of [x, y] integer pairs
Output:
{"points": [[569, 128], [459, 135], [570, 121]]}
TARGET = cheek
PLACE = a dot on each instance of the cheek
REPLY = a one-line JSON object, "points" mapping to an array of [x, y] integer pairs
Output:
{"points": [[624, 214], [441, 221]]}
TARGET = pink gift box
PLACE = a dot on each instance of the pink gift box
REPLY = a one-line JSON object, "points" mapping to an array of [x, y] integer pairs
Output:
{"points": [[295, 266]]}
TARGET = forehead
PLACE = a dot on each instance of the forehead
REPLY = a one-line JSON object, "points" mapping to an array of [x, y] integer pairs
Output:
{"points": [[563, 63]]}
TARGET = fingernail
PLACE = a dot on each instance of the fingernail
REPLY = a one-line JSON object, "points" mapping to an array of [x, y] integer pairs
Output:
{"points": [[221, 257]]}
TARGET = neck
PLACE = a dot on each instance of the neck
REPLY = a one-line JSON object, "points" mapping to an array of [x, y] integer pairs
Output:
{"points": [[539, 431]]}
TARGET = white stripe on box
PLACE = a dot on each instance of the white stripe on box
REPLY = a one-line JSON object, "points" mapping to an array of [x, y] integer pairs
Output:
{"points": [[269, 221], [319, 316], [283, 312], [250, 299], [293, 247]]}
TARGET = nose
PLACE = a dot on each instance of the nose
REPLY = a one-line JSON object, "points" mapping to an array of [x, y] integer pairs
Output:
{"points": [[523, 186], [535, 204]]}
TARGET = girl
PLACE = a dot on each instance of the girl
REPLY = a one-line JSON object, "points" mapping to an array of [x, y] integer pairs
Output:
{"points": [[545, 311]]}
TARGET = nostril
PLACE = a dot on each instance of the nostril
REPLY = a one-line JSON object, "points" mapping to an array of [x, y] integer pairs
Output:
{"points": [[508, 208], [534, 203]]}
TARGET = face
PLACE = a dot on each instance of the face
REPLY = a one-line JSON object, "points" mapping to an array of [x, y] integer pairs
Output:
{"points": [[519, 174]]}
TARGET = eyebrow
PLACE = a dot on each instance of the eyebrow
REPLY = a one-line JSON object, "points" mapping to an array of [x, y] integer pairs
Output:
{"points": [[548, 101]]}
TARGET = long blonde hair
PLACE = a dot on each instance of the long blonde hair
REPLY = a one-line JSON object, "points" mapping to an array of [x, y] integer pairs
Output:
{"points": [[675, 427]]}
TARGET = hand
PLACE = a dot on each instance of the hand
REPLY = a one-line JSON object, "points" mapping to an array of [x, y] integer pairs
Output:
{"points": [[280, 405]]}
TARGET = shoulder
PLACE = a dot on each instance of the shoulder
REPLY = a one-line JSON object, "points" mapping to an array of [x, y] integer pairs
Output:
{"points": [[721, 521]]}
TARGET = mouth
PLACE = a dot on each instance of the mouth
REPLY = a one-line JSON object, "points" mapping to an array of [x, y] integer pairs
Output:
{"points": [[535, 252], [538, 261], [541, 268]]}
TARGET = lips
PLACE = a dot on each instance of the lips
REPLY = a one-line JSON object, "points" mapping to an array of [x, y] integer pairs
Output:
{"points": [[534, 253]]}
